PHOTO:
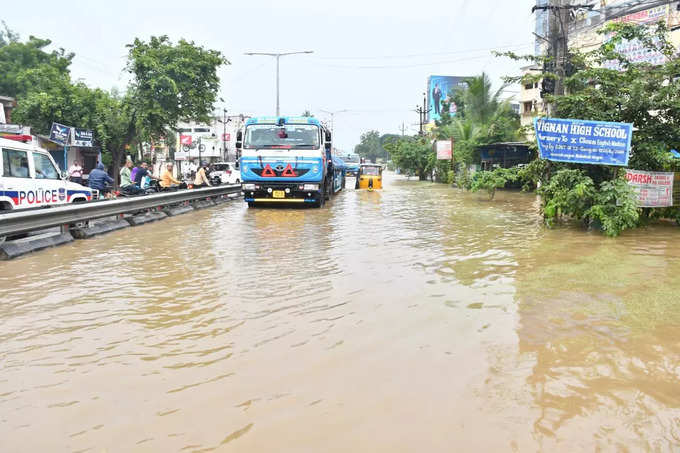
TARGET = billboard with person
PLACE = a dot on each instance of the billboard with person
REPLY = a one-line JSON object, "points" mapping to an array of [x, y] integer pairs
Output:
{"points": [[438, 90]]}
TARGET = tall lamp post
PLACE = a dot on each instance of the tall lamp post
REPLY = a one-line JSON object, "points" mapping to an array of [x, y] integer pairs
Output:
{"points": [[278, 57], [332, 114]]}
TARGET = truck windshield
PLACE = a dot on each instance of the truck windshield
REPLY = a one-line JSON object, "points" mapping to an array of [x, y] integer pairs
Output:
{"points": [[289, 136]]}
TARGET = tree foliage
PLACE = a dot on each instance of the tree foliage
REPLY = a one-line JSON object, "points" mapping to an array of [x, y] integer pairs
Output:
{"points": [[370, 146], [413, 155], [604, 85], [171, 83]]}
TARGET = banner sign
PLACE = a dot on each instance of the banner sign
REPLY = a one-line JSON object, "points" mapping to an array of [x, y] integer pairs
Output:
{"points": [[82, 137], [60, 134], [181, 155], [185, 139], [444, 150], [583, 142], [654, 189], [226, 137]]}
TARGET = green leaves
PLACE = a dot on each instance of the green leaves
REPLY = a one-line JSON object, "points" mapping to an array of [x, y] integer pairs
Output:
{"points": [[371, 147], [172, 82], [492, 180]]}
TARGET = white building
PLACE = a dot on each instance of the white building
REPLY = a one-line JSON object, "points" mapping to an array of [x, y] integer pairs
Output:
{"points": [[211, 142]]}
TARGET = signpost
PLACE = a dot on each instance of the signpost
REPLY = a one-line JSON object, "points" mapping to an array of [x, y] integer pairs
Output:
{"points": [[583, 142], [82, 137], [654, 189], [444, 149], [60, 134]]}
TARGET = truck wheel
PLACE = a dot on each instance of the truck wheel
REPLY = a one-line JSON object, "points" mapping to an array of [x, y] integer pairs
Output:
{"points": [[251, 204]]}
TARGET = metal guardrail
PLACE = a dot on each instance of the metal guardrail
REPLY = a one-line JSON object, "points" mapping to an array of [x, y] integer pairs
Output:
{"points": [[17, 222]]}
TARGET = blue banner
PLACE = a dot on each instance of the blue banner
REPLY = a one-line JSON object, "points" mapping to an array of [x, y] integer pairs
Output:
{"points": [[583, 142], [60, 134]]}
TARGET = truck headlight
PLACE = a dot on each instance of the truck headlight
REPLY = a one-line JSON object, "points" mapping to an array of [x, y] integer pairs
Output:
{"points": [[311, 187], [248, 186]]}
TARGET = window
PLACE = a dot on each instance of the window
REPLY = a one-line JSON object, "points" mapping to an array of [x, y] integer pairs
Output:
{"points": [[184, 129], [290, 136], [528, 106], [201, 129], [44, 169], [14, 163], [528, 86]]}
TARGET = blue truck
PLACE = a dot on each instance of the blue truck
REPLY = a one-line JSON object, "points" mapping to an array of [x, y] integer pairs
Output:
{"points": [[288, 160]]}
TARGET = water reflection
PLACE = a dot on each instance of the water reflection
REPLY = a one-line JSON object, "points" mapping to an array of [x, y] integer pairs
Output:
{"points": [[413, 318]]}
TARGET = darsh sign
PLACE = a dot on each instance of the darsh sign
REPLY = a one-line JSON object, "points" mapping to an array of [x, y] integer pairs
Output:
{"points": [[654, 189], [583, 142]]}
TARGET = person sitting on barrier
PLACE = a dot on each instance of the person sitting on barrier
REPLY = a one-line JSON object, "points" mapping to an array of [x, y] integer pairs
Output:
{"points": [[100, 180], [127, 186], [201, 179], [167, 180]]}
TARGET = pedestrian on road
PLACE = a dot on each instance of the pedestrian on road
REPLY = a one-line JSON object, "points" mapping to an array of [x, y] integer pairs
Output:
{"points": [[75, 173]]}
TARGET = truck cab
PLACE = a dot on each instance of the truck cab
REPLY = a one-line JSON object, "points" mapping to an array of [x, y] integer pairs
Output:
{"points": [[285, 160], [29, 178]]}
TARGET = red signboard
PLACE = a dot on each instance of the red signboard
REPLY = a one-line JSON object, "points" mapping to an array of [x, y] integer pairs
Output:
{"points": [[185, 139], [226, 137]]}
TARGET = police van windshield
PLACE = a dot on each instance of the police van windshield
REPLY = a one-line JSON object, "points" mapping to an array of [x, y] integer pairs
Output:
{"points": [[289, 136]]}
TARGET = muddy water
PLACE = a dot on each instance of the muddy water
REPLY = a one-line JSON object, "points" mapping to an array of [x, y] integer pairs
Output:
{"points": [[413, 319]]}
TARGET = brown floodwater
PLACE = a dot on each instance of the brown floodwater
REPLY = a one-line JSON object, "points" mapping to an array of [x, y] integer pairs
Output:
{"points": [[418, 318]]}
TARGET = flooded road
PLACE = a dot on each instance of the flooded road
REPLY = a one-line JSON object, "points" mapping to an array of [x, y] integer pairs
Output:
{"points": [[418, 318]]}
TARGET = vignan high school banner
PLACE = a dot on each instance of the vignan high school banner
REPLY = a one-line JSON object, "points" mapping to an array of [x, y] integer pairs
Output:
{"points": [[583, 142]]}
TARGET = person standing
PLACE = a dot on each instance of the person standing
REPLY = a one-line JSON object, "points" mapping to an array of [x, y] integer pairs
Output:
{"points": [[437, 97], [75, 173]]}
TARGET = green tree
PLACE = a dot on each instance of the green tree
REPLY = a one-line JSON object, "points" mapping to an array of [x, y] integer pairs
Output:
{"points": [[19, 59], [370, 147], [604, 85], [413, 155]]}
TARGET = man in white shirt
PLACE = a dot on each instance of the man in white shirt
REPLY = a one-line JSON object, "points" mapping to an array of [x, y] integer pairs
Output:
{"points": [[75, 173]]}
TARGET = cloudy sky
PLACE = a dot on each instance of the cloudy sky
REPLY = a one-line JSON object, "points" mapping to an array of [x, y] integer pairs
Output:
{"points": [[371, 57]]}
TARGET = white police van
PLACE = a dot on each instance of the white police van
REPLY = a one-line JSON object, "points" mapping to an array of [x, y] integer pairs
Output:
{"points": [[29, 178]]}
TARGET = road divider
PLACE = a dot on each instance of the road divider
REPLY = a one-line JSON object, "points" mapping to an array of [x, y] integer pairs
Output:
{"points": [[76, 221]]}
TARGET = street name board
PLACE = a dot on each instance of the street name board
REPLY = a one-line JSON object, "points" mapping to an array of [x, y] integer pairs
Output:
{"points": [[583, 142], [654, 189], [59, 134], [444, 149], [82, 137]]}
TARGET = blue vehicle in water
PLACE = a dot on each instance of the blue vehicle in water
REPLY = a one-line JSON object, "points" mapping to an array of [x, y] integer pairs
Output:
{"points": [[352, 163], [288, 160]]}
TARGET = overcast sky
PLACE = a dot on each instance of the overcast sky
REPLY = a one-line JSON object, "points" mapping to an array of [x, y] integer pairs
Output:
{"points": [[370, 57]]}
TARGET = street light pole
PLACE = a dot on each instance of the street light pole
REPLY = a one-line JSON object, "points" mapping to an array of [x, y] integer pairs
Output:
{"points": [[332, 114], [278, 57]]}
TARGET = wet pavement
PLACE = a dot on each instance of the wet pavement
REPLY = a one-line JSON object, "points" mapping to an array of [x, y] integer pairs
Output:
{"points": [[418, 318]]}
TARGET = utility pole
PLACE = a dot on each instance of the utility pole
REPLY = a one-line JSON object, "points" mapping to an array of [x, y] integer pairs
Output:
{"points": [[224, 134], [403, 129], [278, 57], [422, 113], [332, 114], [559, 18]]}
